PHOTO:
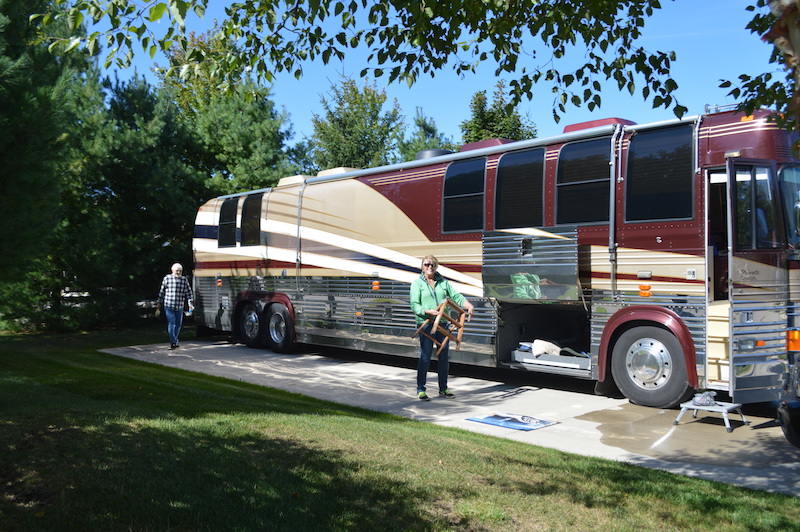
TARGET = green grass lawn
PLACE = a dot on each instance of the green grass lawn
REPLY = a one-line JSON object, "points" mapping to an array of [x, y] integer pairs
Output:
{"points": [[90, 441]]}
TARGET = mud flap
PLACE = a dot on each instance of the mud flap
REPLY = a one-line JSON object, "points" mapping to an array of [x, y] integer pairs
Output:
{"points": [[608, 388]]}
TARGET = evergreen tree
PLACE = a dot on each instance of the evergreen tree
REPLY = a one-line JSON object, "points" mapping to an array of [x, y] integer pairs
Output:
{"points": [[125, 213], [242, 132], [244, 138], [32, 131], [425, 136], [139, 189], [501, 119]]}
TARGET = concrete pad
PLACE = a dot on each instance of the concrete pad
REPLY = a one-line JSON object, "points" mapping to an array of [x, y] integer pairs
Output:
{"points": [[755, 455]]}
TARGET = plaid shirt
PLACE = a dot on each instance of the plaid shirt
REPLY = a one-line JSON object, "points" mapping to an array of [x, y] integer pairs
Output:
{"points": [[175, 292]]}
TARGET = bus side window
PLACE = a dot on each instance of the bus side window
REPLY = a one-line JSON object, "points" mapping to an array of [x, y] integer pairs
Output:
{"points": [[462, 198], [582, 182], [519, 192], [659, 181], [227, 223], [251, 220]]}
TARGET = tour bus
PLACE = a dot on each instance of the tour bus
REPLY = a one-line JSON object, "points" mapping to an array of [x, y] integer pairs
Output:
{"points": [[660, 258]]}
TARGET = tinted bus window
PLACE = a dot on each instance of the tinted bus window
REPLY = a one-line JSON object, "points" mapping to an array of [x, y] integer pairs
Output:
{"points": [[582, 182], [660, 175], [790, 192], [462, 203], [251, 220], [227, 223], [518, 198], [755, 209]]}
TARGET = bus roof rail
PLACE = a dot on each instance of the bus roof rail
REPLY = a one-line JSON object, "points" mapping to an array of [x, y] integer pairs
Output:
{"points": [[597, 123], [714, 109]]}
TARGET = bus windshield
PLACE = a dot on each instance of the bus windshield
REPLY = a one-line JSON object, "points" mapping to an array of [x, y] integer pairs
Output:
{"points": [[790, 192]]}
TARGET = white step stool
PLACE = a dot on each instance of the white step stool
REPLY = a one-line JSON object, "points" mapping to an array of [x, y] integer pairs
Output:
{"points": [[722, 408]]}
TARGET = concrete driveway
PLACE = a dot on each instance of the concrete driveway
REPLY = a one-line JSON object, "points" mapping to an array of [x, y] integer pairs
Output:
{"points": [[755, 455]]}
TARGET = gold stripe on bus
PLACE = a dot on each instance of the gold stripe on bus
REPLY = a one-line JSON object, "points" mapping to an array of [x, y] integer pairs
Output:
{"points": [[406, 177], [737, 129]]}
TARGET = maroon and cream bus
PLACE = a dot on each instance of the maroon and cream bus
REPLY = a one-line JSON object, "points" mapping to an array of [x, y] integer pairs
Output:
{"points": [[663, 258]]}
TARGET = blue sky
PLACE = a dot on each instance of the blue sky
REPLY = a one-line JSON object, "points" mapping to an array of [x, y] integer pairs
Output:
{"points": [[709, 37]]}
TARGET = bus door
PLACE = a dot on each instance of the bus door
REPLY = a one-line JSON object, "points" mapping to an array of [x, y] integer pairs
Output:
{"points": [[757, 282]]}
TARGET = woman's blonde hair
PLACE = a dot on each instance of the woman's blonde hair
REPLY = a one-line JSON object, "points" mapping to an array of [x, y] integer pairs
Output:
{"points": [[429, 258]]}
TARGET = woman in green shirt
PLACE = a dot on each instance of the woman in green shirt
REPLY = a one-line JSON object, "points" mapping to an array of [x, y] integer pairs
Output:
{"points": [[427, 292]]}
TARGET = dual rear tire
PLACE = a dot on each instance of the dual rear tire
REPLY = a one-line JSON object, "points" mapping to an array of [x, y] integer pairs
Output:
{"points": [[272, 328]]}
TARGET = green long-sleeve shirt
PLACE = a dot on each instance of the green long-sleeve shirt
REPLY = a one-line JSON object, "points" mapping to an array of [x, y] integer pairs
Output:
{"points": [[424, 297]]}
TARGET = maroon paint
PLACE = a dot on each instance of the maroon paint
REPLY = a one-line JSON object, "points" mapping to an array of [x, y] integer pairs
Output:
{"points": [[650, 314]]}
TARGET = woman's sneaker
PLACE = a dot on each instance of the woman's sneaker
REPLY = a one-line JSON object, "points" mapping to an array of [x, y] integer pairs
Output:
{"points": [[423, 396], [446, 393]]}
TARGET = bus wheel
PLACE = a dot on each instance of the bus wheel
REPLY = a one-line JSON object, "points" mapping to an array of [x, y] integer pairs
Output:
{"points": [[250, 326], [789, 418], [649, 367], [280, 337]]}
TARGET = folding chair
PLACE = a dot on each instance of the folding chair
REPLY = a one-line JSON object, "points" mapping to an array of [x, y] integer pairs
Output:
{"points": [[455, 324]]}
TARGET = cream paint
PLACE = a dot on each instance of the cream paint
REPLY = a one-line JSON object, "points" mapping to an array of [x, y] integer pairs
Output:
{"points": [[350, 235]]}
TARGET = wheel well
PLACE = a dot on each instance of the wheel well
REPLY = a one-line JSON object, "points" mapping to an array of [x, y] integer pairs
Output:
{"points": [[662, 318]]}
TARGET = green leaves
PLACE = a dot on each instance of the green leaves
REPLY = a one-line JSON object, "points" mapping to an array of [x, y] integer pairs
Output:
{"points": [[156, 12], [74, 19], [771, 90], [355, 130], [404, 40]]}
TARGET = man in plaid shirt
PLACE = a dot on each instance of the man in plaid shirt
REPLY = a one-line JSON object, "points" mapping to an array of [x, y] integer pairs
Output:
{"points": [[174, 294]]}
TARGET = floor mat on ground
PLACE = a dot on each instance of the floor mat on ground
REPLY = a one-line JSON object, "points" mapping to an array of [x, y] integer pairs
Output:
{"points": [[512, 421]]}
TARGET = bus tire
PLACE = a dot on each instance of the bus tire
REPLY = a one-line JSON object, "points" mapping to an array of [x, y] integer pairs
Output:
{"points": [[251, 326], [280, 329], [649, 367]]}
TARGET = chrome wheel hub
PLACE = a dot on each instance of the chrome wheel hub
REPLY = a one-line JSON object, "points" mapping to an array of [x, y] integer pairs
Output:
{"points": [[648, 363], [250, 324], [277, 328]]}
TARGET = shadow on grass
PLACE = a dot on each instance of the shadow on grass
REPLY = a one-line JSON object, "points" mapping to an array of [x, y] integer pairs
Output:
{"points": [[192, 479], [91, 442], [96, 442]]}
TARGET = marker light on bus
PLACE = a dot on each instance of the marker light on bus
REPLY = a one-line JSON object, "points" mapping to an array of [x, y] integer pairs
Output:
{"points": [[644, 290], [750, 344], [376, 285], [793, 340]]}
